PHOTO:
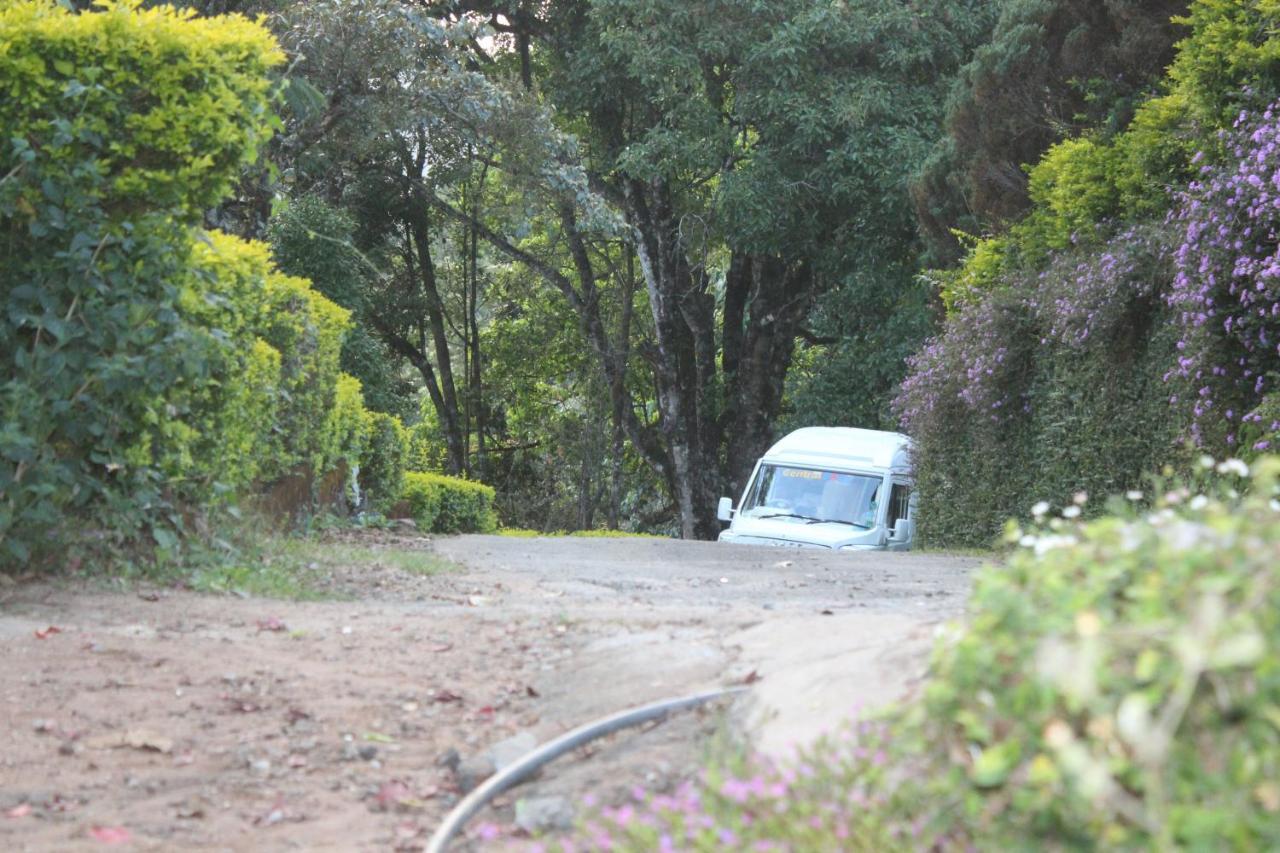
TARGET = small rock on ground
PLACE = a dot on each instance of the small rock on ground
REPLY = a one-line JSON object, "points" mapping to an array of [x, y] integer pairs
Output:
{"points": [[543, 814]]}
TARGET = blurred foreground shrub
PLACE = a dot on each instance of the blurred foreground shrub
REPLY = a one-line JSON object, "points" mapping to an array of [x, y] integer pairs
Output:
{"points": [[1117, 686]]}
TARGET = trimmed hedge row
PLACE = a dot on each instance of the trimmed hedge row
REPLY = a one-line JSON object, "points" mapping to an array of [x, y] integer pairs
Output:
{"points": [[121, 126], [441, 504], [153, 370]]}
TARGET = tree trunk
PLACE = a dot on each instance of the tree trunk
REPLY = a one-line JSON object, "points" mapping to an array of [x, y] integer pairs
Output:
{"points": [[683, 313], [450, 421]]}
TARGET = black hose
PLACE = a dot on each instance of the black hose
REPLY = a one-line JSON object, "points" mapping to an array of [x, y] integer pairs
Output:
{"points": [[518, 771]]}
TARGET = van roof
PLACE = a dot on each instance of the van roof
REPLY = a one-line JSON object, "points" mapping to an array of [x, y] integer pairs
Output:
{"points": [[842, 445]]}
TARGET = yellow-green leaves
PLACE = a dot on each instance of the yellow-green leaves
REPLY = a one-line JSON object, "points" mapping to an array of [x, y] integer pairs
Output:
{"points": [[175, 104]]}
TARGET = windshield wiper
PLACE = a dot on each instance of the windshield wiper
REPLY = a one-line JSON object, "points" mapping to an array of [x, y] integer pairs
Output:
{"points": [[840, 521], [807, 518]]}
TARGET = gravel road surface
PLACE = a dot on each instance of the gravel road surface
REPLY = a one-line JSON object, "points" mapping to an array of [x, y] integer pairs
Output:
{"points": [[219, 722]]}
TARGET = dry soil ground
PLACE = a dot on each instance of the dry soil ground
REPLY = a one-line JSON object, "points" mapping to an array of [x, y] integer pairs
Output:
{"points": [[163, 719]]}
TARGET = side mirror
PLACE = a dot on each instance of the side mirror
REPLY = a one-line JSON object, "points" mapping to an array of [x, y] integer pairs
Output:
{"points": [[901, 531], [724, 511]]}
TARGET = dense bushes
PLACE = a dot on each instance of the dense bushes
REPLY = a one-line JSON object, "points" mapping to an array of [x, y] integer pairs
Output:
{"points": [[449, 504], [382, 466], [119, 129], [1117, 687], [154, 370], [1227, 289], [1063, 364], [1119, 682], [1049, 385]]}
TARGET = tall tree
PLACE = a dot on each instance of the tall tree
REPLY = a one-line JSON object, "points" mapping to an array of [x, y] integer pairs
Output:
{"points": [[749, 153], [754, 150], [395, 132], [1051, 69]]}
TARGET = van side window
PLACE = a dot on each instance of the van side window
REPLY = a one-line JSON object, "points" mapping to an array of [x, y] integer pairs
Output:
{"points": [[899, 502]]}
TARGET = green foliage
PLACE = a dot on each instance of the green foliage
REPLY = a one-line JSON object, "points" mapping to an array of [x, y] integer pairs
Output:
{"points": [[1050, 385], [441, 504], [278, 331], [1231, 59], [312, 239], [383, 464], [163, 106], [1081, 414], [1051, 70], [307, 329], [1119, 682], [120, 127]]}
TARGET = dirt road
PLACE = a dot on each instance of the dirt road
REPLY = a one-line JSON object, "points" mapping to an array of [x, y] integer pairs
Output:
{"points": [[181, 720]]}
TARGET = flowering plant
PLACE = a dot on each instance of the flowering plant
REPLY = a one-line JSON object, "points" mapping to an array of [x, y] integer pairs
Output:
{"points": [[1227, 288]]}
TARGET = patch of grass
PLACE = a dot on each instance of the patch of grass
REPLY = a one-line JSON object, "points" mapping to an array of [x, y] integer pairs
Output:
{"points": [[989, 554], [525, 533], [296, 567], [337, 554], [258, 578]]}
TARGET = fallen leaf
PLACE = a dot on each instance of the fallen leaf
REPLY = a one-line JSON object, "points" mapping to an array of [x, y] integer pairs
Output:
{"points": [[441, 647], [241, 706], [446, 696], [826, 612], [48, 632], [149, 596], [378, 737], [531, 693], [752, 677], [293, 715], [18, 811], [407, 830], [110, 834], [395, 795], [271, 623], [190, 810]]}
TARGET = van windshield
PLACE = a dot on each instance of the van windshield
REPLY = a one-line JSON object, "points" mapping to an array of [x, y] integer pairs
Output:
{"points": [[814, 496]]}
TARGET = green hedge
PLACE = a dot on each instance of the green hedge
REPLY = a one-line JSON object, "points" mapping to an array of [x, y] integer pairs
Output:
{"points": [[153, 370], [441, 504], [382, 467], [121, 126]]}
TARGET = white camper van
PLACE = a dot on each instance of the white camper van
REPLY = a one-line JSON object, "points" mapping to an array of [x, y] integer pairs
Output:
{"points": [[828, 487]]}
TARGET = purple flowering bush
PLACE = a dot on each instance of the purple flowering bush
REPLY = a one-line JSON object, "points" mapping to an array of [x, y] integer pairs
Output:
{"points": [[1129, 345], [1227, 289], [1046, 385]]}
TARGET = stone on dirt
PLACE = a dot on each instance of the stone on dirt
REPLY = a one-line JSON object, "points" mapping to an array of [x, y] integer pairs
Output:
{"points": [[509, 751], [543, 814], [470, 772]]}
